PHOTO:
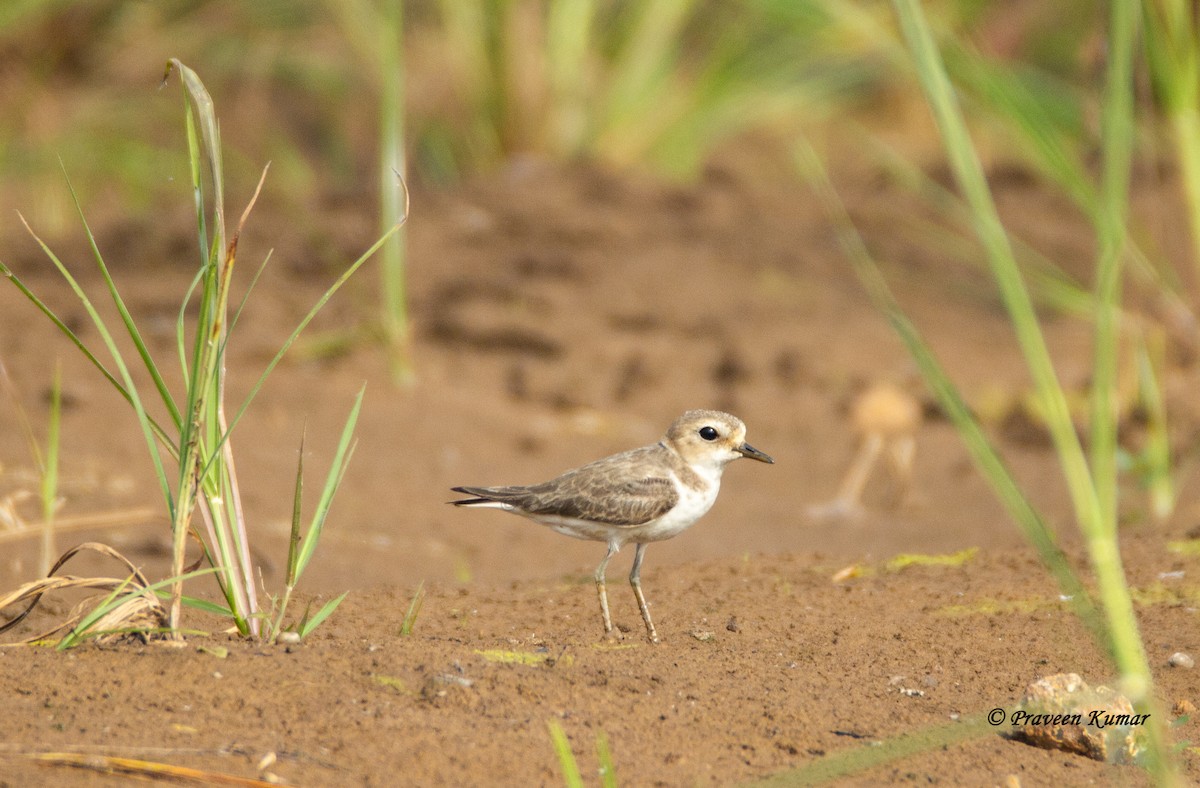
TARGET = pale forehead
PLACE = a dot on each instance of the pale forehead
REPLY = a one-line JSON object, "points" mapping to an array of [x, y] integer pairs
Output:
{"points": [[694, 419]]}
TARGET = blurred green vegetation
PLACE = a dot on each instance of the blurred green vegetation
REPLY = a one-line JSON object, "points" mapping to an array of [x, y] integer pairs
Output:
{"points": [[657, 84]]}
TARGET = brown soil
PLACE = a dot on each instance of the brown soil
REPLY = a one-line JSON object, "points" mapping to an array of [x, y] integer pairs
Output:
{"points": [[559, 316]]}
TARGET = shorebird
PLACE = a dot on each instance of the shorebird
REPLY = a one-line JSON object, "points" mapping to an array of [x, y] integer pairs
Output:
{"points": [[641, 495]]}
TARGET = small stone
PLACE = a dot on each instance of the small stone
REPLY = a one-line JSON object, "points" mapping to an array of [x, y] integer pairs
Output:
{"points": [[1181, 660], [1061, 712], [289, 637]]}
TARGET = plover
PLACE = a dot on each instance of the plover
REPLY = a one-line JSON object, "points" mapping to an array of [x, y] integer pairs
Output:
{"points": [[641, 496]]}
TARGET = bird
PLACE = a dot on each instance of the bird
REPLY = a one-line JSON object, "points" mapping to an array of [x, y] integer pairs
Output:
{"points": [[641, 496]]}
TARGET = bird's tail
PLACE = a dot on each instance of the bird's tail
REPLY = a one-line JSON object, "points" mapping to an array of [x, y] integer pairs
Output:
{"points": [[482, 496]]}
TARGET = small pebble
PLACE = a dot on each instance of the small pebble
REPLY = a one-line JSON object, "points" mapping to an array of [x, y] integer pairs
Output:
{"points": [[289, 637], [1181, 660]]}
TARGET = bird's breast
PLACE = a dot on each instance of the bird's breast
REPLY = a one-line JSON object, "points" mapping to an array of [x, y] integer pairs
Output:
{"points": [[694, 503]]}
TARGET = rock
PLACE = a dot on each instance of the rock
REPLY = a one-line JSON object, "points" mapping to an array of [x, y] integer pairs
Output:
{"points": [[1061, 712], [1181, 660]]}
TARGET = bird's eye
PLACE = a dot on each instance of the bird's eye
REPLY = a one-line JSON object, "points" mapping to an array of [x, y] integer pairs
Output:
{"points": [[708, 433]]}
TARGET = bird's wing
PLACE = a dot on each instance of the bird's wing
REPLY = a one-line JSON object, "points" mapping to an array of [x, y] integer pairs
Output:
{"points": [[617, 490], [628, 502]]}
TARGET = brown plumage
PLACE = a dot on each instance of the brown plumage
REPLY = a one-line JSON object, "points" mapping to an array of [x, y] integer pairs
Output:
{"points": [[618, 490]]}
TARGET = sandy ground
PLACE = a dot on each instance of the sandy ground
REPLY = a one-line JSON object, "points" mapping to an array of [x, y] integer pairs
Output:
{"points": [[560, 315]]}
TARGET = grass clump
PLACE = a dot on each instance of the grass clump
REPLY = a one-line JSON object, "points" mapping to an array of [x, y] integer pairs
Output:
{"points": [[414, 610], [193, 428], [657, 84]]}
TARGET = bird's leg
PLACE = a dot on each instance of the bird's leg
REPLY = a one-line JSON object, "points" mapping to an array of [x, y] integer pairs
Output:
{"points": [[635, 580], [612, 550]]}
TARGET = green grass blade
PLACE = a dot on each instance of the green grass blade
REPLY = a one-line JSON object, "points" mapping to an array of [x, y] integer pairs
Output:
{"points": [[203, 605], [325, 612], [181, 328], [49, 485], [1173, 54], [566, 758], [644, 59], [333, 480], [608, 769], [855, 760], [293, 561], [1117, 133], [392, 167], [1044, 114], [1157, 450], [77, 632], [1117, 136], [568, 42], [196, 603], [249, 289], [414, 609], [210, 136]]}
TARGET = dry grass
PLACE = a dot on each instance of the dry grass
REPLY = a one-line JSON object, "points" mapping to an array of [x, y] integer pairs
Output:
{"points": [[130, 607]]}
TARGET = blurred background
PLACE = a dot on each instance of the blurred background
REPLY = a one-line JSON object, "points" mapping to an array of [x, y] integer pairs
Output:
{"points": [[467, 86], [613, 221]]}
